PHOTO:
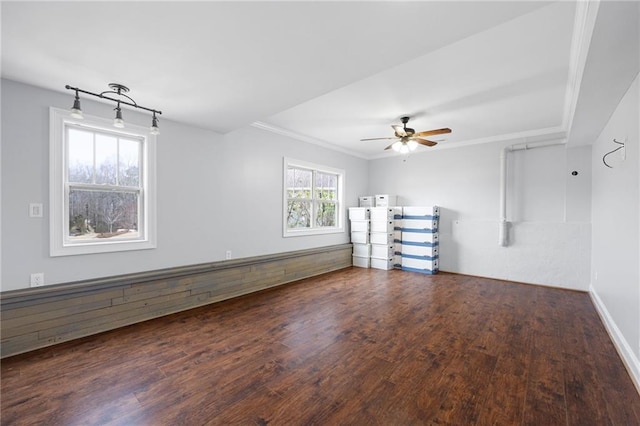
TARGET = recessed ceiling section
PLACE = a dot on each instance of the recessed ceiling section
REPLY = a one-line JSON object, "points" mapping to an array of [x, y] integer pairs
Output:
{"points": [[334, 72], [509, 79], [223, 65]]}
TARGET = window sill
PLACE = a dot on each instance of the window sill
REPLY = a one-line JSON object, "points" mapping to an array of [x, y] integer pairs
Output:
{"points": [[305, 232], [100, 247]]}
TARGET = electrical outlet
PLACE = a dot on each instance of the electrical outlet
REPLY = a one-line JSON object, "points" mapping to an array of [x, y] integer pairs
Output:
{"points": [[227, 255], [37, 279]]}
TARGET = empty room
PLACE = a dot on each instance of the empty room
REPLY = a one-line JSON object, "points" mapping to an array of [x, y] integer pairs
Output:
{"points": [[320, 212]]}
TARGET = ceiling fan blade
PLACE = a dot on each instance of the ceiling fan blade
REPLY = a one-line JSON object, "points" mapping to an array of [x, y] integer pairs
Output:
{"points": [[399, 130], [390, 146], [434, 132], [377, 139], [425, 142]]}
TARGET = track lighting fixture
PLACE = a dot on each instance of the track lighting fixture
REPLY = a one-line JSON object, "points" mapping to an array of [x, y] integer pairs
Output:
{"points": [[120, 91]]}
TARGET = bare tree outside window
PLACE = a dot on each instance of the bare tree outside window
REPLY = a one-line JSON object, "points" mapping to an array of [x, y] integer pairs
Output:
{"points": [[103, 185]]}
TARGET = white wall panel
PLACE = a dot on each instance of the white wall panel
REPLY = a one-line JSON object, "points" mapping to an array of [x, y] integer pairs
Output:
{"points": [[215, 193], [615, 216], [464, 182]]}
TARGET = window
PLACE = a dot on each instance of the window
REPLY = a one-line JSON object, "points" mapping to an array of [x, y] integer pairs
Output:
{"points": [[312, 199], [102, 186]]}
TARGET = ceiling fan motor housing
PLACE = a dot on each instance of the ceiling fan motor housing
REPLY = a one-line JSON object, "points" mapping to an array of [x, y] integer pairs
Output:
{"points": [[407, 130]]}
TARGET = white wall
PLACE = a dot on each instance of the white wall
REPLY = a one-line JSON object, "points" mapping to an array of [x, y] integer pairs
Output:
{"points": [[615, 278], [215, 193], [549, 233]]}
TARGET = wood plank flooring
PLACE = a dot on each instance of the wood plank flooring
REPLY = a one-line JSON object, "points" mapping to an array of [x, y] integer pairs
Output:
{"points": [[353, 347]]}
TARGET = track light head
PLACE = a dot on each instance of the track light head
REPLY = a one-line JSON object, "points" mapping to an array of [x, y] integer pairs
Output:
{"points": [[76, 110], [154, 130], [118, 121]]}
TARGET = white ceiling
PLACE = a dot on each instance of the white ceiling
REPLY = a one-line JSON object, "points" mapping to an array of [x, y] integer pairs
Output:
{"points": [[326, 72]]}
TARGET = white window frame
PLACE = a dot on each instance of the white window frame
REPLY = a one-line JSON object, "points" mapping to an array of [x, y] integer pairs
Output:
{"points": [[58, 208], [313, 230]]}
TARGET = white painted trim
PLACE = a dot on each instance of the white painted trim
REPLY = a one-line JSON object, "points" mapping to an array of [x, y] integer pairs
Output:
{"points": [[584, 23], [529, 136], [57, 219], [304, 138], [625, 351], [537, 135], [286, 232]]}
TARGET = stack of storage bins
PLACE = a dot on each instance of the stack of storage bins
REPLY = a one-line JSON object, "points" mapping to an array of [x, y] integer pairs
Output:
{"points": [[419, 239], [359, 219], [382, 226]]}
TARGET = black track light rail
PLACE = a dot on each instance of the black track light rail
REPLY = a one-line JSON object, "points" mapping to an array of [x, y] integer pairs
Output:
{"points": [[118, 101]]}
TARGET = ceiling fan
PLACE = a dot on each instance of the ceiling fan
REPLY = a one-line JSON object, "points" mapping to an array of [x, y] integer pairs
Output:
{"points": [[406, 139]]}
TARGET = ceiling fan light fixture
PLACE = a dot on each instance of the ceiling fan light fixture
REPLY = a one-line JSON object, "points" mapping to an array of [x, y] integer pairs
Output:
{"points": [[407, 140]]}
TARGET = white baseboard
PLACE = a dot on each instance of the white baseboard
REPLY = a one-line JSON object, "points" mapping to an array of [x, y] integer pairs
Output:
{"points": [[629, 358]]}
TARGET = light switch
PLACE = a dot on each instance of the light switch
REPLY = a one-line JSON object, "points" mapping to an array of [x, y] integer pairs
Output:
{"points": [[35, 210]]}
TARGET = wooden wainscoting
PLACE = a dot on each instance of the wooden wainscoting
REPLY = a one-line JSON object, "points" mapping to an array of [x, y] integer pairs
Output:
{"points": [[37, 317]]}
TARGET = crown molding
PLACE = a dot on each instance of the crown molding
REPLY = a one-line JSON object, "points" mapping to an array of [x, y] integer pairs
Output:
{"points": [[304, 138], [584, 23], [529, 136]]}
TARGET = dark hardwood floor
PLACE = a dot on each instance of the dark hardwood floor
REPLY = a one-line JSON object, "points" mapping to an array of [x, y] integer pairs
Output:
{"points": [[357, 347]]}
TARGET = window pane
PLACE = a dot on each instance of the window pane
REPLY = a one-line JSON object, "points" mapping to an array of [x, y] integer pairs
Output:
{"points": [[298, 183], [299, 214], [102, 214], [326, 214], [326, 186], [128, 164], [106, 159], [80, 156]]}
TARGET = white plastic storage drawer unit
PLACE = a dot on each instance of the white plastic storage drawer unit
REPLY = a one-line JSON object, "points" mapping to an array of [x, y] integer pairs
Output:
{"points": [[359, 226], [381, 237], [421, 211], [419, 265], [420, 250], [358, 213], [362, 250], [384, 200], [385, 213], [420, 237], [361, 262], [385, 264], [382, 251], [382, 226], [360, 237]]}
